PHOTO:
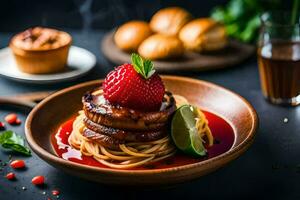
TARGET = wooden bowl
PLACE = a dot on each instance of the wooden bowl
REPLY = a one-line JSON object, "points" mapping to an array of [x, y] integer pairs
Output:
{"points": [[48, 115]]}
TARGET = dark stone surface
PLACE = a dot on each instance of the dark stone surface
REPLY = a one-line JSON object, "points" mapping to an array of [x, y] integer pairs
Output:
{"points": [[270, 169]]}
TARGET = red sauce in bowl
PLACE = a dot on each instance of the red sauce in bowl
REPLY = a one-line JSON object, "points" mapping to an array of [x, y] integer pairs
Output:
{"points": [[221, 130]]}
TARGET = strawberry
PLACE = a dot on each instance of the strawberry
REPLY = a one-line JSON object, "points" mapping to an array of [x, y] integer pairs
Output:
{"points": [[136, 86]]}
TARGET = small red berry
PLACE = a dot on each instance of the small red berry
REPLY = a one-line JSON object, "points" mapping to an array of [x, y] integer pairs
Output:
{"points": [[11, 118], [38, 180], [10, 176], [18, 121], [55, 192], [17, 164], [2, 126]]}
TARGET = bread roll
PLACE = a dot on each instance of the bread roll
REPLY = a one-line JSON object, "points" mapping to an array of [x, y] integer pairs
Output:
{"points": [[130, 35], [203, 34], [161, 46], [169, 21]]}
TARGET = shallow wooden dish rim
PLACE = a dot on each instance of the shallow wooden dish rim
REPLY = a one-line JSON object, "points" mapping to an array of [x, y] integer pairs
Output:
{"points": [[233, 151]]}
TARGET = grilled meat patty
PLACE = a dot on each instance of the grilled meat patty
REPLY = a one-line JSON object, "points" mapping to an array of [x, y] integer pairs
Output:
{"points": [[103, 140], [100, 111], [130, 136]]}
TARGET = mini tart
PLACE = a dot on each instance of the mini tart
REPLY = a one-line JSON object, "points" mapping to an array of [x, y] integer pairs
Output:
{"points": [[203, 34], [100, 111], [159, 47], [130, 35], [41, 50], [169, 21]]}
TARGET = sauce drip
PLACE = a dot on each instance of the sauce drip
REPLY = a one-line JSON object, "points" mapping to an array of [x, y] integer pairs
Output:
{"points": [[221, 130]]}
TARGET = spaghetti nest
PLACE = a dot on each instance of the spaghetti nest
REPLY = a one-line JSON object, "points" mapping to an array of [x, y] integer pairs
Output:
{"points": [[132, 154], [129, 155]]}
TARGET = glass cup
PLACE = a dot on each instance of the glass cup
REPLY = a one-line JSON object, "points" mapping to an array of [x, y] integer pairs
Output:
{"points": [[279, 58]]}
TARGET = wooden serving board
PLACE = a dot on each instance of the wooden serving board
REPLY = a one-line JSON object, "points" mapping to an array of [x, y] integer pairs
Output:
{"points": [[233, 54]]}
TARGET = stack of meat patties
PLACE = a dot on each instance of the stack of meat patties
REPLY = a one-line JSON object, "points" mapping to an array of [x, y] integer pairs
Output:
{"points": [[111, 125]]}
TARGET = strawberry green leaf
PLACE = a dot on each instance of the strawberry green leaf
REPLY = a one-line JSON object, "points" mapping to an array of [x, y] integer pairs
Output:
{"points": [[137, 63], [141, 66], [149, 69]]}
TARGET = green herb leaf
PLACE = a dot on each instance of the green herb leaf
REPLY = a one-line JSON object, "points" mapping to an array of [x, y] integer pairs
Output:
{"points": [[137, 63], [295, 11], [5, 136], [141, 66], [15, 142], [149, 69], [251, 28], [240, 17]]}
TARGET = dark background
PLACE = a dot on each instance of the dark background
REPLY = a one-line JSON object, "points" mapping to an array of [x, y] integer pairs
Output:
{"points": [[268, 170], [17, 15]]}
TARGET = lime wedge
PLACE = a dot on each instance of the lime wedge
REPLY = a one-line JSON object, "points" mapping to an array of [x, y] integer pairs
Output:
{"points": [[184, 132]]}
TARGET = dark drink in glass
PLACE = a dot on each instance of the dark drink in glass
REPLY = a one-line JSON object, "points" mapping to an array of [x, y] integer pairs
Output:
{"points": [[279, 61]]}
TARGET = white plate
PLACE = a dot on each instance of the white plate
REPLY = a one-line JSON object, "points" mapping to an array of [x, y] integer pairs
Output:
{"points": [[80, 61]]}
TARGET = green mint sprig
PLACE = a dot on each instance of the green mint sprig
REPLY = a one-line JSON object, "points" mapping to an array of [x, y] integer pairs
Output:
{"points": [[141, 66]]}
